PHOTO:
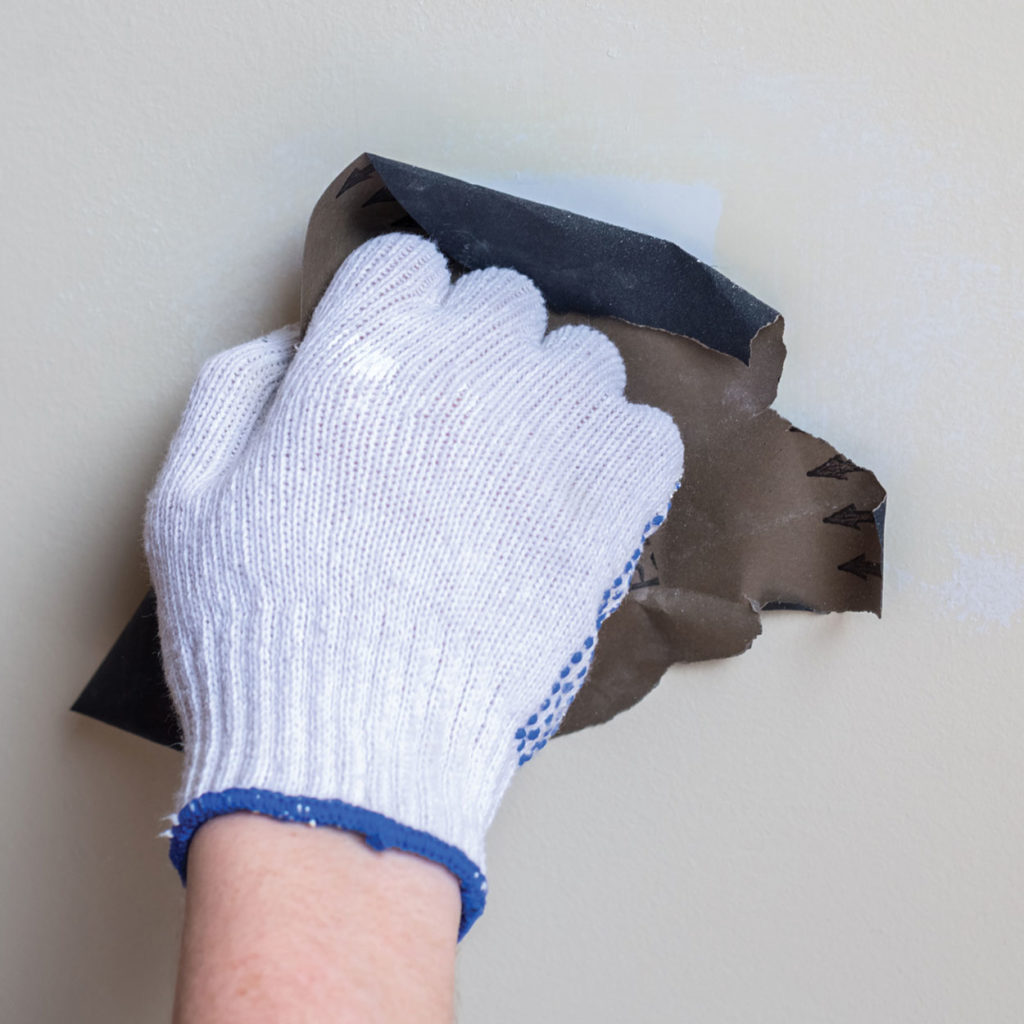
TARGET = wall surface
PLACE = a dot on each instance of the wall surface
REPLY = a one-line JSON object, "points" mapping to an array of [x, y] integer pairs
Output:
{"points": [[827, 828]]}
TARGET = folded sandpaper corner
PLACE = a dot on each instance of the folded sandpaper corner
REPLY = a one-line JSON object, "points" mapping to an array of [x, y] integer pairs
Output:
{"points": [[768, 516]]}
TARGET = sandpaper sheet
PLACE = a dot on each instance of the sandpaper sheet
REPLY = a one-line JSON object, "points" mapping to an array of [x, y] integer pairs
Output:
{"points": [[768, 516]]}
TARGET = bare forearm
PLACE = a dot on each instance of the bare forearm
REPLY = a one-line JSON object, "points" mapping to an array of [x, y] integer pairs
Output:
{"points": [[284, 922]]}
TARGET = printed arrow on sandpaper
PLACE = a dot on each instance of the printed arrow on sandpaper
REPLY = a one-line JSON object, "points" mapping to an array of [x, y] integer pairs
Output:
{"points": [[382, 195], [406, 223], [646, 572], [358, 175], [851, 516], [837, 467], [860, 566]]}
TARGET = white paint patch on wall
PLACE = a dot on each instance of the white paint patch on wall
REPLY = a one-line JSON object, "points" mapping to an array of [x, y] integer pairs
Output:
{"points": [[687, 214], [984, 589]]}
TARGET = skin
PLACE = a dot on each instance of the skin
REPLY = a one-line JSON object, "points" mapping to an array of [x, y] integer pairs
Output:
{"points": [[288, 923]]}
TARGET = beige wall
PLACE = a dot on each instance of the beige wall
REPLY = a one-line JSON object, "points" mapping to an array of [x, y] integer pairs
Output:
{"points": [[827, 828]]}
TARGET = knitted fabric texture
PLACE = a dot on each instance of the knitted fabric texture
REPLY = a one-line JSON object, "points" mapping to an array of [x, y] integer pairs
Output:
{"points": [[374, 553]]}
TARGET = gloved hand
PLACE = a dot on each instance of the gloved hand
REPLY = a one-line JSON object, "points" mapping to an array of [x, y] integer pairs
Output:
{"points": [[381, 559]]}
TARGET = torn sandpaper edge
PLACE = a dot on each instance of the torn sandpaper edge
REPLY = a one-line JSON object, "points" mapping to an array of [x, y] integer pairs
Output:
{"points": [[767, 517]]}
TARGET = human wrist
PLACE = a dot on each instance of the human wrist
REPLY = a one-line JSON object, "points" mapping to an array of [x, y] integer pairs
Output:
{"points": [[273, 908]]}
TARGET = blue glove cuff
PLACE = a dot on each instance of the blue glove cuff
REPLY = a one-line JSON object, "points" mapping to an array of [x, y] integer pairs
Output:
{"points": [[380, 832]]}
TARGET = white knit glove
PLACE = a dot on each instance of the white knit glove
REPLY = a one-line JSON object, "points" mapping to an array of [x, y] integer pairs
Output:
{"points": [[381, 560]]}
